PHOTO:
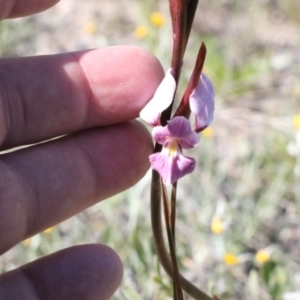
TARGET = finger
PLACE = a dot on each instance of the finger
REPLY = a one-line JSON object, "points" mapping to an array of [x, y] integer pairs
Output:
{"points": [[83, 272], [43, 185], [47, 96], [20, 8]]}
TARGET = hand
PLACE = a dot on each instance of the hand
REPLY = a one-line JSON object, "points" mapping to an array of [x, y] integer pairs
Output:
{"points": [[91, 97]]}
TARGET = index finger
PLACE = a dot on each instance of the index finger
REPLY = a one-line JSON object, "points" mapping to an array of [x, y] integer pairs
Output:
{"points": [[47, 96]]}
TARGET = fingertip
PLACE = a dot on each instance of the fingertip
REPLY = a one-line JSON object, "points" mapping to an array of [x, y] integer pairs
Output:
{"points": [[141, 145], [68, 175], [122, 79], [81, 272], [120, 154], [74, 92]]}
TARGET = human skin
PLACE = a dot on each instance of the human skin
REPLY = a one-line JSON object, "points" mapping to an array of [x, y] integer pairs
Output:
{"points": [[91, 98]]}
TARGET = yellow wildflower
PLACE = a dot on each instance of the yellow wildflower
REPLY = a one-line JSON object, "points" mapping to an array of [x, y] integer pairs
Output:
{"points": [[296, 92], [157, 19], [217, 225], [90, 28], [230, 259], [296, 121], [141, 31], [26, 242], [262, 256], [208, 132]]}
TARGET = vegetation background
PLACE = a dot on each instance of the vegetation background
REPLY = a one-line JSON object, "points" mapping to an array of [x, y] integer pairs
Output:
{"points": [[239, 212]]}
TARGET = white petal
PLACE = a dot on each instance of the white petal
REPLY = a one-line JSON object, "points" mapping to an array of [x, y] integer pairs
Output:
{"points": [[160, 101], [202, 103]]}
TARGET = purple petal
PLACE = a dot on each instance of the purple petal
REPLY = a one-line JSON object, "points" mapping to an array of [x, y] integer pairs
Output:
{"points": [[179, 128], [160, 134], [171, 168], [160, 101], [202, 103]]}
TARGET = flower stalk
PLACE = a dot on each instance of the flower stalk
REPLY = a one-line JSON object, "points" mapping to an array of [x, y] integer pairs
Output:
{"points": [[159, 242], [172, 135], [178, 10]]}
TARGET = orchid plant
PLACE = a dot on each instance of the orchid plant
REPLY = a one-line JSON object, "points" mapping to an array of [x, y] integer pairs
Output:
{"points": [[172, 135], [170, 163]]}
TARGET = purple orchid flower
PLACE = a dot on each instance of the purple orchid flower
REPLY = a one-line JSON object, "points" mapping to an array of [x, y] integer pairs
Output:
{"points": [[202, 103], [170, 163]]}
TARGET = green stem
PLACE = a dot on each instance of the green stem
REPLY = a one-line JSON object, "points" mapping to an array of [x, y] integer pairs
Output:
{"points": [[173, 209], [161, 250], [176, 280]]}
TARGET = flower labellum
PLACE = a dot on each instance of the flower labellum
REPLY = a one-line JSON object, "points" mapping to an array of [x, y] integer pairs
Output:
{"points": [[161, 100], [170, 163], [202, 103]]}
